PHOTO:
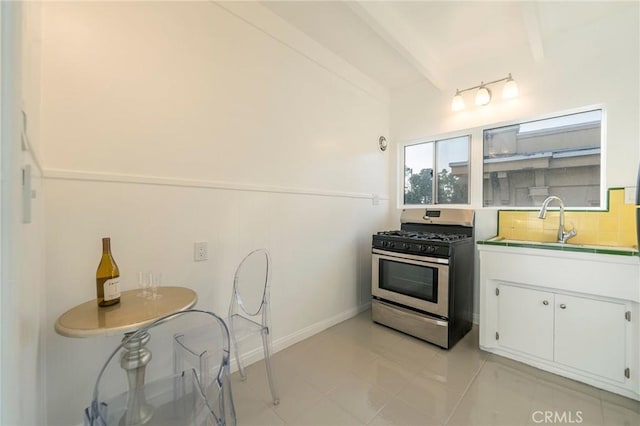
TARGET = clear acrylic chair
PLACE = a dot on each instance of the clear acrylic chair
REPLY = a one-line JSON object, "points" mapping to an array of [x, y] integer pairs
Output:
{"points": [[184, 398], [248, 316]]}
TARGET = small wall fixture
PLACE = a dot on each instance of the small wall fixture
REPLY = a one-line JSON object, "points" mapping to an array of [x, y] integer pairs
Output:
{"points": [[382, 143], [483, 95]]}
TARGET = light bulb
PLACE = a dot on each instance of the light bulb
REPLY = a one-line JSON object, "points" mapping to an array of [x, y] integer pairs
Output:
{"points": [[457, 104], [510, 89], [483, 97]]}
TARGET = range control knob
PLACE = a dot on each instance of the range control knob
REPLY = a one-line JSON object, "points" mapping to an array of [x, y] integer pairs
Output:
{"points": [[392, 244], [431, 249], [405, 245], [422, 248]]}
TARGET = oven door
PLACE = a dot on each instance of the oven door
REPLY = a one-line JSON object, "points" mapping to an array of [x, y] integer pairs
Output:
{"points": [[418, 282]]}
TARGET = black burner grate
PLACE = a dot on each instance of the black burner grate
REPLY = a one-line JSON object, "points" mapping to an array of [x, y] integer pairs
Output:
{"points": [[424, 236]]}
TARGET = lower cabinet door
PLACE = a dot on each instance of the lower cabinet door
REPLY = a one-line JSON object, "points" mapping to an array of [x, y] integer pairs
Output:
{"points": [[590, 335], [525, 320]]}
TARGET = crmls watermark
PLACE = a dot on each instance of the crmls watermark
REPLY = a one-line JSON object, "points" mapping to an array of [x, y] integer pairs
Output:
{"points": [[564, 417]]}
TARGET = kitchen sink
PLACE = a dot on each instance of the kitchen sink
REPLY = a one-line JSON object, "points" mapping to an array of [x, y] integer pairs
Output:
{"points": [[569, 246]]}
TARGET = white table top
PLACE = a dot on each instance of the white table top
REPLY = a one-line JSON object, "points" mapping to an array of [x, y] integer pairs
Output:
{"points": [[133, 312]]}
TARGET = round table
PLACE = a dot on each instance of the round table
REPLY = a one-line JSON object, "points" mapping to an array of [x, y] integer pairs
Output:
{"points": [[132, 313]]}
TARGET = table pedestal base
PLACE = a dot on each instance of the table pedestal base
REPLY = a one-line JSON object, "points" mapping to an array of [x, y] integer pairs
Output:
{"points": [[134, 360]]}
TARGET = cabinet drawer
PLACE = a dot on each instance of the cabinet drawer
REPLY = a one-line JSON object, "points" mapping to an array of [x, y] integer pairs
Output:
{"points": [[420, 326]]}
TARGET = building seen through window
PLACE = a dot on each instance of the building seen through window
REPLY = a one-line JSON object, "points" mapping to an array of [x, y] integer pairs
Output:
{"points": [[525, 163]]}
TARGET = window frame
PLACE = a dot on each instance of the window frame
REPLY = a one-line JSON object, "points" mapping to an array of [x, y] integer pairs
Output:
{"points": [[434, 140], [476, 161]]}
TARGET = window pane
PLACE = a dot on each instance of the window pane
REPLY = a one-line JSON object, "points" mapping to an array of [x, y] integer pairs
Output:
{"points": [[418, 173], [525, 163], [453, 177]]}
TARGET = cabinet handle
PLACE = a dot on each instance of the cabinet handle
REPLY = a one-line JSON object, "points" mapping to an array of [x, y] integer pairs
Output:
{"points": [[563, 306], [545, 302]]}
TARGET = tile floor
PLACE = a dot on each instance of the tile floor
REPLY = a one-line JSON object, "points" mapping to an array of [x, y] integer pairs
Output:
{"points": [[361, 373]]}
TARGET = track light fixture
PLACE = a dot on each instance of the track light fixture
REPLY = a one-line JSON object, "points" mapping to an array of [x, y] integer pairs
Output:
{"points": [[483, 95]]}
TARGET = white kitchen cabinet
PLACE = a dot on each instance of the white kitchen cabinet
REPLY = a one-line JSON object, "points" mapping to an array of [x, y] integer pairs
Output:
{"points": [[590, 335], [581, 333], [525, 320], [573, 314]]}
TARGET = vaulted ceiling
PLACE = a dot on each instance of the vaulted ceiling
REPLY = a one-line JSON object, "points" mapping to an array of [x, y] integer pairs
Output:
{"points": [[398, 43]]}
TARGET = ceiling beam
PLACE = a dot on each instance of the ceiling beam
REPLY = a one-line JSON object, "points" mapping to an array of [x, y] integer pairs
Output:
{"points": [[529, 12], [387, 23]]}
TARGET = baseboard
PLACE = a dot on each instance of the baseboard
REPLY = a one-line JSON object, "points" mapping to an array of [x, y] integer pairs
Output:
{"points": [[281, 343]]}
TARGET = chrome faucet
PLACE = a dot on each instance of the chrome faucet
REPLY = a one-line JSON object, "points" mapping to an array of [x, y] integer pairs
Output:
{"points": [[562, 235]]}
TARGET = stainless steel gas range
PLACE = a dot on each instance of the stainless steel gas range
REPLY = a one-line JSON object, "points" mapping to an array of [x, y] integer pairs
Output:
{"points": [[422, 275]]}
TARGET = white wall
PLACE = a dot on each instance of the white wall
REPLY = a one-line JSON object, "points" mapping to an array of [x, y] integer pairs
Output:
{"points": [[22, 384], [594, 65], [169, 123]]}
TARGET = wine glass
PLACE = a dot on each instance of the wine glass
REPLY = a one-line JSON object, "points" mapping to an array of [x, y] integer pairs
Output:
{"points": [[155, 281], [144, 283]]}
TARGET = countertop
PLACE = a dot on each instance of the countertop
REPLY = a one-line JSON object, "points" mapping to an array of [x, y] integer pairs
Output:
{"points": [[583, 248]]}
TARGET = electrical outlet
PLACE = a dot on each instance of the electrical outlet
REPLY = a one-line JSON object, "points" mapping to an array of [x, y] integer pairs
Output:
{"points": [[200, 251]]}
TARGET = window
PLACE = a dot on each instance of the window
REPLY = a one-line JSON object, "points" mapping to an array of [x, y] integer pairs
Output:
{"points": [[525, 163], [448, 186]]}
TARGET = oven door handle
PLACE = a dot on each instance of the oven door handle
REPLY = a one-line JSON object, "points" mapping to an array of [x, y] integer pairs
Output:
{"points": [[409, 258]]}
